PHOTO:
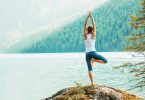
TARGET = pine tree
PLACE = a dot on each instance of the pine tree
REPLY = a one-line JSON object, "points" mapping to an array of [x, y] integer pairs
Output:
{"points": [[137, 45], [138, 23]]}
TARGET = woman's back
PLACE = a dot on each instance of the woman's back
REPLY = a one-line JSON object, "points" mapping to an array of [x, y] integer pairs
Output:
{"points": [[90, 43]]}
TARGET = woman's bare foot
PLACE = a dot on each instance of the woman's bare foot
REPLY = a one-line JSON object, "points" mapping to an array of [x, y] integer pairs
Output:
{"points": [[94, 87], [94, 84]]}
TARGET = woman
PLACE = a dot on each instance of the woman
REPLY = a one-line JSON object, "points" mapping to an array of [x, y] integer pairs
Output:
{"points": [[91, 55]]}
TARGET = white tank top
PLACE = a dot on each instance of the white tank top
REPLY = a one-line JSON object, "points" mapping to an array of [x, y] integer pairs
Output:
{"points": [[90, 43]]}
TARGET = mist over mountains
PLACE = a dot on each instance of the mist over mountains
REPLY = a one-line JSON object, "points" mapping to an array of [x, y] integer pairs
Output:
{"points": [[112, 28]]}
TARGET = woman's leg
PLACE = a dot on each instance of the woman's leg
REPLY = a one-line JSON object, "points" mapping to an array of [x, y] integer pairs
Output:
{"points": [[91, 77], [88, 60], [98, 58], [90, 71], [98, 61]]}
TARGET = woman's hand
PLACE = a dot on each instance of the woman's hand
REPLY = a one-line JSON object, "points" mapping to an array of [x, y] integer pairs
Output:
{"points": [[90, 14]]}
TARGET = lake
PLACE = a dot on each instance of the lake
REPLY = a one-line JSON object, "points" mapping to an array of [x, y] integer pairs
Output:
{"points": [[37, 76]]}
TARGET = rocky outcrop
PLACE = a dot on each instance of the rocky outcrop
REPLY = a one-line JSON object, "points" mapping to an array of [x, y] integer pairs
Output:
{"points": [[92, 93]]}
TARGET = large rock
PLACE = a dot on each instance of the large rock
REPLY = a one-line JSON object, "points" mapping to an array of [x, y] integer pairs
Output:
{"points": [[92, 93]]}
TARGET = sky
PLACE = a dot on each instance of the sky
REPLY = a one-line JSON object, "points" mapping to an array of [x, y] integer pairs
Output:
{"points": [[18, 17]]}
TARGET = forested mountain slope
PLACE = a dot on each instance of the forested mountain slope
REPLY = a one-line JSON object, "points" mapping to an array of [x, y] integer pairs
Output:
{"points": [[112, 28]]}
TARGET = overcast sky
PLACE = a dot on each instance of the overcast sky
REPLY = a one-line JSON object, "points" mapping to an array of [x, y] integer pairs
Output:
{"points": [[18, 16]]}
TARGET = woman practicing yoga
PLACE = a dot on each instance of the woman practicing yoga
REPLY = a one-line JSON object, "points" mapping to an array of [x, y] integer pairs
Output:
{"points": [[91, 55]]}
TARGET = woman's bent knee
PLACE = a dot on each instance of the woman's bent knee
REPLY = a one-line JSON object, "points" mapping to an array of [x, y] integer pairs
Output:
{"points": [[105, 61]]}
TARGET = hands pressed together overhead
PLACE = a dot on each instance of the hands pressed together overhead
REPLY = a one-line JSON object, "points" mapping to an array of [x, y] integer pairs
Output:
{"points": [[90, 14]]}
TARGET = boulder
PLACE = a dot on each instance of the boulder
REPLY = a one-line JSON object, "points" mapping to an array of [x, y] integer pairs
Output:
{"points": [[92, 93]]}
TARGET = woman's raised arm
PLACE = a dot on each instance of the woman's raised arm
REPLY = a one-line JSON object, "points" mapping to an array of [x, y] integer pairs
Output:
{"points": [[85, 28], [94, 26]]}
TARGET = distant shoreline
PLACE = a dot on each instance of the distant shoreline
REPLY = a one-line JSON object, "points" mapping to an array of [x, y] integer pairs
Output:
{"points": [[111, 55]]}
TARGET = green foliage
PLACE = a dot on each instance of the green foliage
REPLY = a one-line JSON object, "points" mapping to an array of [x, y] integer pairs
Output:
{"points": [[138, 23], [137, 45]]}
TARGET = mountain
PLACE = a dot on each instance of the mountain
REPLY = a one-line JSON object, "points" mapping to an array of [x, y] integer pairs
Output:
{"points": [[112, 28]]}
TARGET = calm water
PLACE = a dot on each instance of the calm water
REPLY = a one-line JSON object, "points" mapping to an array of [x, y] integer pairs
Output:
{"points": [[36, 76]]}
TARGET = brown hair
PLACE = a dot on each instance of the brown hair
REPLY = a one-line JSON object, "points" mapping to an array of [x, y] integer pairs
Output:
{"points": [[90, 29]]}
